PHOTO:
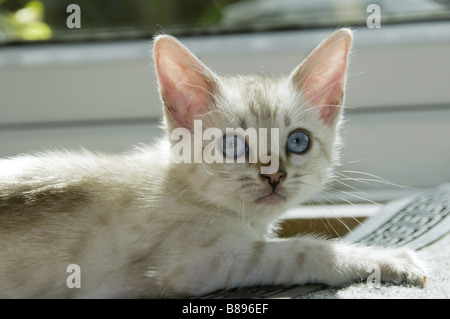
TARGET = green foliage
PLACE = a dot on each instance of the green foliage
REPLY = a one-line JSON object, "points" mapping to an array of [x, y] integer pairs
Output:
{"points": [[42, 19], [25, 23]]}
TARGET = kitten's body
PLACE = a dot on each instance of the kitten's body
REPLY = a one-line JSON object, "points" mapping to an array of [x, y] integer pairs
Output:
{"points": [[139, 225]]}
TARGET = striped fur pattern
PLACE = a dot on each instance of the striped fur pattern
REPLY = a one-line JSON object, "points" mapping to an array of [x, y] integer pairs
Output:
{"points": [[139, 225]]}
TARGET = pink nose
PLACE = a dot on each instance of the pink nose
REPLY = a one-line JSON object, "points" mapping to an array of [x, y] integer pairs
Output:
{"points": [[274, 179]]}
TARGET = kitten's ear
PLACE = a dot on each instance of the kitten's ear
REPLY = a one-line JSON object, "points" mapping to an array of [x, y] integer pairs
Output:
{"points": [[186, 84], [321, 76]]}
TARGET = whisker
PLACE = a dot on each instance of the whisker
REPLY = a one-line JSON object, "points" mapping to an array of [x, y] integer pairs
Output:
{"points": [[340, 181], [376, 178], [361, 198]]}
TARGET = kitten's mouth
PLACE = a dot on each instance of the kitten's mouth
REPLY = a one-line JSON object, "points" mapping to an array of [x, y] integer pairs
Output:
{"points": [[271, 199]]}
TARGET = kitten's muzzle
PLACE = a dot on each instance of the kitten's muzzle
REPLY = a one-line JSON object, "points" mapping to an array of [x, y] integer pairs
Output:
{"points": [[274, 179]]}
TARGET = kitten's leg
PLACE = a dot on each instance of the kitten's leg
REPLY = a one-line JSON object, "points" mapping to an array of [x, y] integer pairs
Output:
{"points": [[298, 261], [336, 263]]}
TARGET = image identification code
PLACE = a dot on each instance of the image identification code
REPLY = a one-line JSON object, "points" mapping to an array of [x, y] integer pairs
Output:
{"points": [[230, 308], [247, 308]]}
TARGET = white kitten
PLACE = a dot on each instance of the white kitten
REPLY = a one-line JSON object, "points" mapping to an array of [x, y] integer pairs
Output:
{"points": [[141, 225]]}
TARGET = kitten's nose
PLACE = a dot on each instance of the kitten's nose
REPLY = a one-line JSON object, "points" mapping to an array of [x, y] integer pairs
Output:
{"points": [[274, 179]]}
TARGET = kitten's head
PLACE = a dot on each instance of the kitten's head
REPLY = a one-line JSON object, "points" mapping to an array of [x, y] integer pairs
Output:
{"points": [[221, 127]]}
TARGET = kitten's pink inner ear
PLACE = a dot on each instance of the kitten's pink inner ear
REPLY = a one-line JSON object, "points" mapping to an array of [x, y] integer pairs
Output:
{"points": [[321, 76], [185, 83]]}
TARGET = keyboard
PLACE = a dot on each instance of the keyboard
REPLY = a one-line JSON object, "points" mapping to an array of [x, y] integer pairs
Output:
{"points": [[414, 222]]}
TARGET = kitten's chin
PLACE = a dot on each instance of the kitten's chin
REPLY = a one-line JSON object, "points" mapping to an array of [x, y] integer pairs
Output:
{"points": [[271, 199]]}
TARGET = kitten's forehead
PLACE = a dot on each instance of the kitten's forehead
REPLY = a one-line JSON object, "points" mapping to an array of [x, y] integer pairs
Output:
{"points": [[258, 101]]}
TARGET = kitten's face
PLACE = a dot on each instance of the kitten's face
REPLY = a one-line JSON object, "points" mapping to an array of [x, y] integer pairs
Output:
{"points": [[295, 118], [306, 148]]}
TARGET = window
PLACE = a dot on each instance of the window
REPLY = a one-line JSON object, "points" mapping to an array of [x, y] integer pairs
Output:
{"points": [[33, 20]]}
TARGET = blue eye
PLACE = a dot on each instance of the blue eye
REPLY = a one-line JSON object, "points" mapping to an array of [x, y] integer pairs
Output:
{"points": [[298, 142], [234, 146]]}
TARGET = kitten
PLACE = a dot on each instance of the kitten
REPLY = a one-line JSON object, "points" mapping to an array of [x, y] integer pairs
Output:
{"points": [[147, 224]]}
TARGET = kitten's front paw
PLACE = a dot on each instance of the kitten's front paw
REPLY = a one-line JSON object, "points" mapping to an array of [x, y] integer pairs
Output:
{"points": [[401, 266]]}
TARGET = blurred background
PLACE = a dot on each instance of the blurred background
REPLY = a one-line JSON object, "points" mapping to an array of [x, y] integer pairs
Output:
{"points": [[24, 20], [94, 86]]}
